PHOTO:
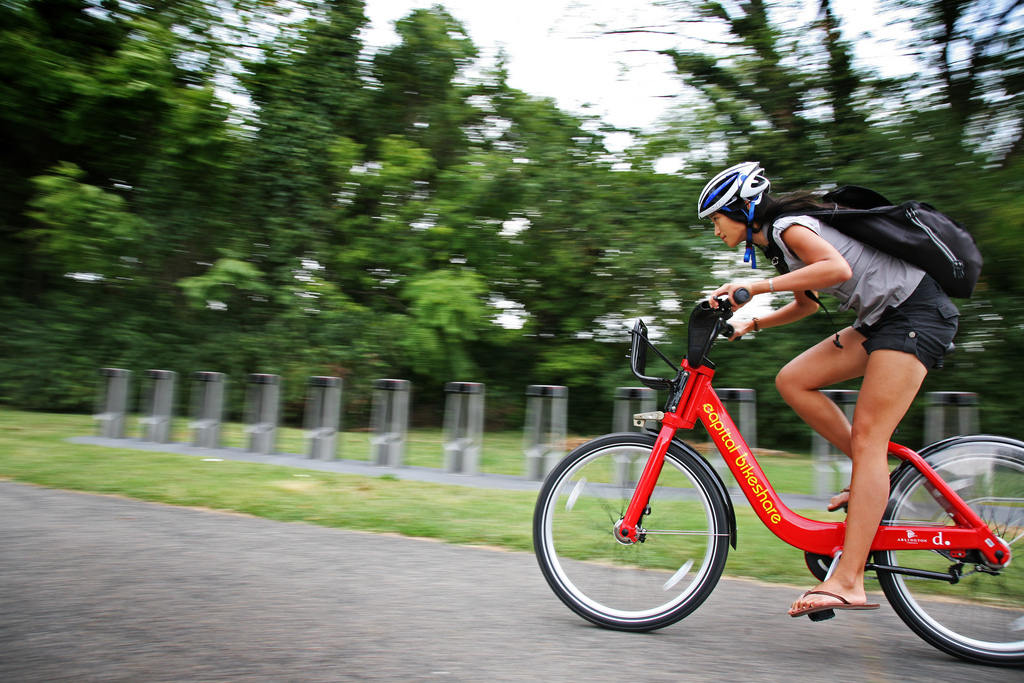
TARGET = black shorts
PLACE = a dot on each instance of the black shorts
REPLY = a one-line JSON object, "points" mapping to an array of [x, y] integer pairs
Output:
{"points": [[923, 325]]}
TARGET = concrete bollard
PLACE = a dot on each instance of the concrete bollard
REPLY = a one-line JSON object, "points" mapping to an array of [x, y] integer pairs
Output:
{"points": [[390, 421], [630, 401], [831, 468], [463, 426], [742, 405], [745, 408], [322, 420], [262, 407], [112, 402], [158, 410], [950, 413], [544, 435], [207, 408]]}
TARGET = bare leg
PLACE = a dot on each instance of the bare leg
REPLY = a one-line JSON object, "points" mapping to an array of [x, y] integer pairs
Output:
{"points": [[818, 367], [891, 382]]}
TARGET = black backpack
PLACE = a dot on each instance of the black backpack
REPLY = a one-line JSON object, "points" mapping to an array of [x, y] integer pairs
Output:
{"points": [[913, 231]]}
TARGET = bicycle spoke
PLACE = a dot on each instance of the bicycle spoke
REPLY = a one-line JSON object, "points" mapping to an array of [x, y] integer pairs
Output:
{"points": [[574, 496], [678, 576]]}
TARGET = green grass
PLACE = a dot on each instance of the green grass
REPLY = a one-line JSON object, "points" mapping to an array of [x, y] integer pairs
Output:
{"points": [[33, 449], [502, 452]]}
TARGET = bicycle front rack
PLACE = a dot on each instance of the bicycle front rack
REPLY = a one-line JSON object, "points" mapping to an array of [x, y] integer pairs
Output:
{"points": [[638, 360]]}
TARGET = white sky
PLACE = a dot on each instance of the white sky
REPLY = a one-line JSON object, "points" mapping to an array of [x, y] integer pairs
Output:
{"points": [[553, 51], [551, 55]]}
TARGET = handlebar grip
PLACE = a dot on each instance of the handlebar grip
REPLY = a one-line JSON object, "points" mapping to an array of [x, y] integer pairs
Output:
{"points": [[727, 330], [741, 295]]}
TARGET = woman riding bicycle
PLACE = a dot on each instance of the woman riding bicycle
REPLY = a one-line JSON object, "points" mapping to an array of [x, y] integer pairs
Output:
{"points": [[904, 324]]}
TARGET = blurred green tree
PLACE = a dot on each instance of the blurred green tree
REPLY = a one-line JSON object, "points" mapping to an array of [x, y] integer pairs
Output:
{"points": [[784, 94]]}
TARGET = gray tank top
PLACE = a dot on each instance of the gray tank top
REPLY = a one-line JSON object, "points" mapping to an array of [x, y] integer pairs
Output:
{"points": [[879, 280]]}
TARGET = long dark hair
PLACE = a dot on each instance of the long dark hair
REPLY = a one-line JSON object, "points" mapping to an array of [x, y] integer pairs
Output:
{"points": [[770, 208]]}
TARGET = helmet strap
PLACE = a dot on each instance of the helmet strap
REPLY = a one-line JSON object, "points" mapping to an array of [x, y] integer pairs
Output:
{"points": [[749, 256]]}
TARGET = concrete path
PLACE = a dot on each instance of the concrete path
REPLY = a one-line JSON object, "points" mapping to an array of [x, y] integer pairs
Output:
{"points": [[98, 588]]}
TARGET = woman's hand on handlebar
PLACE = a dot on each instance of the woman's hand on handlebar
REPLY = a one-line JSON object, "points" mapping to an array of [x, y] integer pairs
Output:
{"points": [[738, 293], [740, 328]]}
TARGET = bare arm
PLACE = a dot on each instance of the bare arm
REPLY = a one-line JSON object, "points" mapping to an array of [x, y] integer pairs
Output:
{"points": [[800, 307], [825, 267]]}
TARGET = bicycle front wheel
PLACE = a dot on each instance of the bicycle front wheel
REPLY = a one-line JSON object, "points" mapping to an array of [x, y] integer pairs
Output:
{"points": [[981, 617], [646, 585]]}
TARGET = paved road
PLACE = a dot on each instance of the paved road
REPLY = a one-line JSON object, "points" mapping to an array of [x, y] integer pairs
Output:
{"points": [[96, 588]]}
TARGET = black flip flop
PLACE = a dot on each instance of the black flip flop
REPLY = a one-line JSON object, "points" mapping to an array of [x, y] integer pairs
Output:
{"points": [[823, 612]]}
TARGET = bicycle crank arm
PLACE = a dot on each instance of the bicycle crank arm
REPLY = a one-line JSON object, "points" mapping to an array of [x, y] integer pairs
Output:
{"points": [[951, 576]]}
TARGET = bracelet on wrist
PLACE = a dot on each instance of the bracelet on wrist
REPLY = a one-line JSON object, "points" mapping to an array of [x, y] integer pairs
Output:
{"points": [[771, 285], [756, 328]]}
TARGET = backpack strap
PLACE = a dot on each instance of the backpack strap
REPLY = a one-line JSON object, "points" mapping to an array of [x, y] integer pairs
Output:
{"points": [[774, 253]]}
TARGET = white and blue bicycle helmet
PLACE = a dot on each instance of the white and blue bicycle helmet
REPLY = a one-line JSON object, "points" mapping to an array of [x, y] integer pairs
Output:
{"points": [[736, 192]]}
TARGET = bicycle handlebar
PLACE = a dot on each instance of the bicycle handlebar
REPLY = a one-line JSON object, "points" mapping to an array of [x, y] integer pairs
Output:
{"points": [[706, 323], [741, 296]]}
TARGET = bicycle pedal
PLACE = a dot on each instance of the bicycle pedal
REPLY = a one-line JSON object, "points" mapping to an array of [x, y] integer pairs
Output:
{"points": [[822, 615]]}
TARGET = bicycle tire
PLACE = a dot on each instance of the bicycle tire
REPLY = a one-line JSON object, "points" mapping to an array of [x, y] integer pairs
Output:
{"points": [[643, 586], [981, 618]]}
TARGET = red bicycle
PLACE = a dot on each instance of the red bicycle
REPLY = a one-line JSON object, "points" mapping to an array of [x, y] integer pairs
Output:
{"points": [[632, 530]]}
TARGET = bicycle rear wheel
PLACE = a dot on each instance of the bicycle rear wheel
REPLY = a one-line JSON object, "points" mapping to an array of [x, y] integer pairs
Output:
{"points": [[980, 618], [645, 585]]}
